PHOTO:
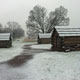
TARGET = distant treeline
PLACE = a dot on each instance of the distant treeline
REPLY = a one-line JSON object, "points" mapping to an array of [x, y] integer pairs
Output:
{"points": [[14, 28]]}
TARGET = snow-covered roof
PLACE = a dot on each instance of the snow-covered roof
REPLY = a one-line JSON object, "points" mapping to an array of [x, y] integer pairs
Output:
{"points": [[45, 35], [68, 31], [4, 36]]}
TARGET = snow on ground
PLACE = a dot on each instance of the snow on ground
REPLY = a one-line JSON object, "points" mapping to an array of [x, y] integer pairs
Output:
{"points": [[41, 46], [54, 66], [50, 65], [9, 53]]}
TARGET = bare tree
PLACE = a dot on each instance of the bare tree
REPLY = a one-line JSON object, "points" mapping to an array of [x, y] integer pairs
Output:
{"points": [[6, 30], [36, 20], [57, 18], [18, 32], [39, 22], [15, 29]]}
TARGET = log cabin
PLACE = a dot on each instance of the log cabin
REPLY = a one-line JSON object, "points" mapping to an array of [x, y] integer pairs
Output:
{"points": [[65, 37], [44, 38], [5, 40]]}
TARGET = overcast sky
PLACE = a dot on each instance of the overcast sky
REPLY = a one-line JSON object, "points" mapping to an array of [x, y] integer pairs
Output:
{"points": [[18, 10]]}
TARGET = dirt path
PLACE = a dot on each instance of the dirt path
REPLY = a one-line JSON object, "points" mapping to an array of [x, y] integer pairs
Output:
{"points": [[26, 55], [14, 69]]}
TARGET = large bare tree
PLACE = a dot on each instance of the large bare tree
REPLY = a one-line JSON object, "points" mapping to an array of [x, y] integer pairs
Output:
{"points": [[39, 22], [36, 20], [57, 18]]}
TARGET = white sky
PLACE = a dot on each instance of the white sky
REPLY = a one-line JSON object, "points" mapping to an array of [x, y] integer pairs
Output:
{"points": [[18, 10]]}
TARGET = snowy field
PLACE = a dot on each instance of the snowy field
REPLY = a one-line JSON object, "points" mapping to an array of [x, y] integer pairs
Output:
{"points": [[47, 65], [9, 53], [54, 66]]}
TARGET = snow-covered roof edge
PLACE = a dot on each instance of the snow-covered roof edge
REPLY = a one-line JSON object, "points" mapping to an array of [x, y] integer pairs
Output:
{"points": [[45, 35], [68, 30], [4, 36]]}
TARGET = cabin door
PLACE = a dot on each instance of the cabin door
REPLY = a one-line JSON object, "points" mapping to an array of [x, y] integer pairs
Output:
{"points": [[56, 42]]}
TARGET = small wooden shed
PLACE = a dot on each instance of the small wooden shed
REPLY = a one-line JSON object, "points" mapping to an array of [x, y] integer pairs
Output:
{"points": [[65, 37], [44, 38], [5, 40]]}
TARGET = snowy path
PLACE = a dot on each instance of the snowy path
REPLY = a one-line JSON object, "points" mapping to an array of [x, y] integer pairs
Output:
{"points": [[9, 53], [15, 69]]}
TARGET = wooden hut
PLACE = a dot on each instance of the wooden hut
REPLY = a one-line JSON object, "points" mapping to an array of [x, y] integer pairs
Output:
{"points": [[65, 37], [44, 38], [5, 40]]}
